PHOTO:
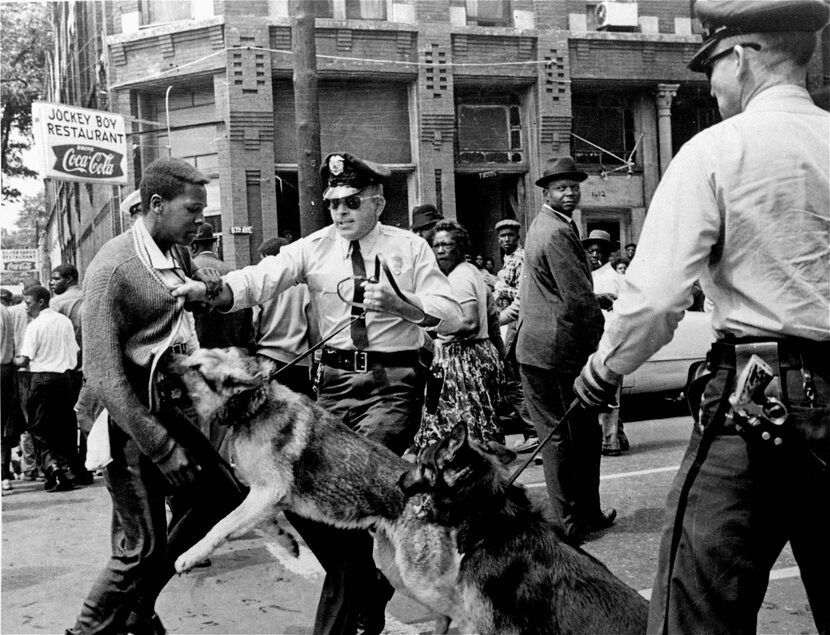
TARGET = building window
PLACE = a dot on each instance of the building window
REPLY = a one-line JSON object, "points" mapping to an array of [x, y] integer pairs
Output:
{"points": [[370, 119], [161, 11], [603, 127], [489, 12], [692, 110], [489, 132], [365, 10], [192, 120]]}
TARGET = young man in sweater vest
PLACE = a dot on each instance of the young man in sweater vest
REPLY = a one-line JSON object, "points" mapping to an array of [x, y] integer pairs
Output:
{"points": [[130, 318]]}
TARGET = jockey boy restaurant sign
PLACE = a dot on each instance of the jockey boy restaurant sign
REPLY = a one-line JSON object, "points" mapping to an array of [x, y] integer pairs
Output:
{"points": [[78, 144]]}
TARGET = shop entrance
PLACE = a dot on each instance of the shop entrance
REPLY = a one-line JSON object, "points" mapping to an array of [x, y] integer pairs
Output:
{"points": [[482, 202]]}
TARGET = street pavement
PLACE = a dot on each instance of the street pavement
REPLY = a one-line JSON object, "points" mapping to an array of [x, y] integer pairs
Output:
{"points": [[54, 544]]}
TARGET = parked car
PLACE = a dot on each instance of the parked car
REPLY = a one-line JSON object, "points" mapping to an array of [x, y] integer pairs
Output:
{"points": [[667, 369]]}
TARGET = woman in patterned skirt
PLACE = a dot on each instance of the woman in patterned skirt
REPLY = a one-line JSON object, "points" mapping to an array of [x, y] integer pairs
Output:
{"points": [[467, 370]]}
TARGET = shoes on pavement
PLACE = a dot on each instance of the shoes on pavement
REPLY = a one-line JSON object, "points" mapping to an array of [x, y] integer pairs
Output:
{"points": [[7, 484], [85, 478], [527, 445], [603, 521], [611, 451], [624, 444], [140, 625], [58, 481]]}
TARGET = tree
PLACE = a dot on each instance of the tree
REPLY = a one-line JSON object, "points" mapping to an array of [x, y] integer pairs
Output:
{"points": [[31, 223], [27, 40]]}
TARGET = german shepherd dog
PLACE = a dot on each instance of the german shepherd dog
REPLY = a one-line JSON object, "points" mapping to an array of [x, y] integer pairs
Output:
{"points": [[517, 575], [296, 456]]}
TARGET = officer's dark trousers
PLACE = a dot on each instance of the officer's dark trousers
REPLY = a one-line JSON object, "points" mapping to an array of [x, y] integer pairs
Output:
{"points": [[385, 405], [743, 502], [143, 547], [572, 456]]}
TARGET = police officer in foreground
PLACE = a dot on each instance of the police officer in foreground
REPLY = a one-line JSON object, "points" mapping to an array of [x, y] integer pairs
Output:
{"points": [[744, 206], [372, 375]]}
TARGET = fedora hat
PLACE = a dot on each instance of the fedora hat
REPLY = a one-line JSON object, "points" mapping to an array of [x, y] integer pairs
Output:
{"points": [[561, 168], [204, 233], [601, 237], [425, 216]]}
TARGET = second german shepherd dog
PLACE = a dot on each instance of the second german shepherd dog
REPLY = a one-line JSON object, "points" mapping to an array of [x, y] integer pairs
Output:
{"points": [[517, 575], [296, 456]]}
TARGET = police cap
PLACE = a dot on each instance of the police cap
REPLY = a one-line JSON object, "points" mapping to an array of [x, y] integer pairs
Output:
{"points": [[345, 174], [726, 18]]}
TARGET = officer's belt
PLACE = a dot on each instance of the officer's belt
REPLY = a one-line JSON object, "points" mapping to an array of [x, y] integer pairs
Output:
{"points": [[792, 352], [362, 361]]}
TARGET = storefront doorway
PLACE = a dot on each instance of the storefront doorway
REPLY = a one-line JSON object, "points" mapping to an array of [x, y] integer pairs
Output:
{"points": [[483, 199]]}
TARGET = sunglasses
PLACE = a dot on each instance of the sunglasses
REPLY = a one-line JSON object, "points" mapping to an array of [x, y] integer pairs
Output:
{"points": [[709, 64], [352, 202]]}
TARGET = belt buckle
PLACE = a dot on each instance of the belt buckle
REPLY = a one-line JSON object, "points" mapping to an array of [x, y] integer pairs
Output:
{"points": [[361, 361]]}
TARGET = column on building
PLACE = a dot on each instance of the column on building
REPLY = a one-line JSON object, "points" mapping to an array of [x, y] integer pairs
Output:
{"points": [[436, 121], [555, 116], [665, 96], [244, 99]]}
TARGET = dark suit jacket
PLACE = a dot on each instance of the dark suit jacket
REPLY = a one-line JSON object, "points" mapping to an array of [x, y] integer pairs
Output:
{"points": [[560, 322]]}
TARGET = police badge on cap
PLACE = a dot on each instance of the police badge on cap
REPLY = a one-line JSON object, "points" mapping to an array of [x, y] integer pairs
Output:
{"points": [[346, 174]]}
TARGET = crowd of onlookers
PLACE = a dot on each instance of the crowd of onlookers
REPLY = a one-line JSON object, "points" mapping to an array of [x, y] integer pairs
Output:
{"points": [[48, 413]]}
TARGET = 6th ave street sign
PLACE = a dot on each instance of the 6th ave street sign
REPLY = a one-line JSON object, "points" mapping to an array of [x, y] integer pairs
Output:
{"points": [[79, 144]]}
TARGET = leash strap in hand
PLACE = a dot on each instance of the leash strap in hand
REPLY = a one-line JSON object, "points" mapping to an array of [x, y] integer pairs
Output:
{"points": [[574, 405]]}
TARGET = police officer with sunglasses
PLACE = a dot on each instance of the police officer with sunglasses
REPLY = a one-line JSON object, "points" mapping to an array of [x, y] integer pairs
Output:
{"points": [[745, 207], [371, 372]]}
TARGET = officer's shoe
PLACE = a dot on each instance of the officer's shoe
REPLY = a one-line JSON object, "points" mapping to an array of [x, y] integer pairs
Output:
{"points": [[603, 521]]}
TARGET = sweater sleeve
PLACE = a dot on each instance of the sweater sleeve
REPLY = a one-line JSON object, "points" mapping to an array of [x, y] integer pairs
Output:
{"points": [[104, 321]]}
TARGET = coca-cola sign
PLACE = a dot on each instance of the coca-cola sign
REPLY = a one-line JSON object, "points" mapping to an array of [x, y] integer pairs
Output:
{"points": [[87, 161], [79, 144]]}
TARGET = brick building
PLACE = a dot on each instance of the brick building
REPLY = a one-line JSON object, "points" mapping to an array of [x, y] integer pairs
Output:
{"points": [[464, 99]]}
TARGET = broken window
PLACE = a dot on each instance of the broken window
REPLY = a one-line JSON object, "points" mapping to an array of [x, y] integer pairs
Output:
{"points": [[603, 129], [490, 132]]}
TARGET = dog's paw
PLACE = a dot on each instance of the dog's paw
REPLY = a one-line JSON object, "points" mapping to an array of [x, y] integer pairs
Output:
{"points": [[190, 559]]}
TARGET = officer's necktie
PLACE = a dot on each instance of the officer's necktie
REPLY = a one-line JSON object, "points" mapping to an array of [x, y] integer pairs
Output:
{"points": [[358, 328]]}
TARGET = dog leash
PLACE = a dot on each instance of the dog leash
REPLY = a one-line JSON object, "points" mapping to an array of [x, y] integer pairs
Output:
{"points": [[374, 279], [574, 405], [311, 349]]}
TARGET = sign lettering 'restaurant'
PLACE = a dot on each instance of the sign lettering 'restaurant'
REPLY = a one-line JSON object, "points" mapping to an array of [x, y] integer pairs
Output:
{"points": [[78, 144]]}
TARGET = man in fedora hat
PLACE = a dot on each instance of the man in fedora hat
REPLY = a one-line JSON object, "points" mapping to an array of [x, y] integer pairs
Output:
{"points": [[424, 219], [371, 370], [745, 208], [559, 327]]}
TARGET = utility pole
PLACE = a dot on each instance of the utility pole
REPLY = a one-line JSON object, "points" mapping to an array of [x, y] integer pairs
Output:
{"points": [[307, 113]]}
